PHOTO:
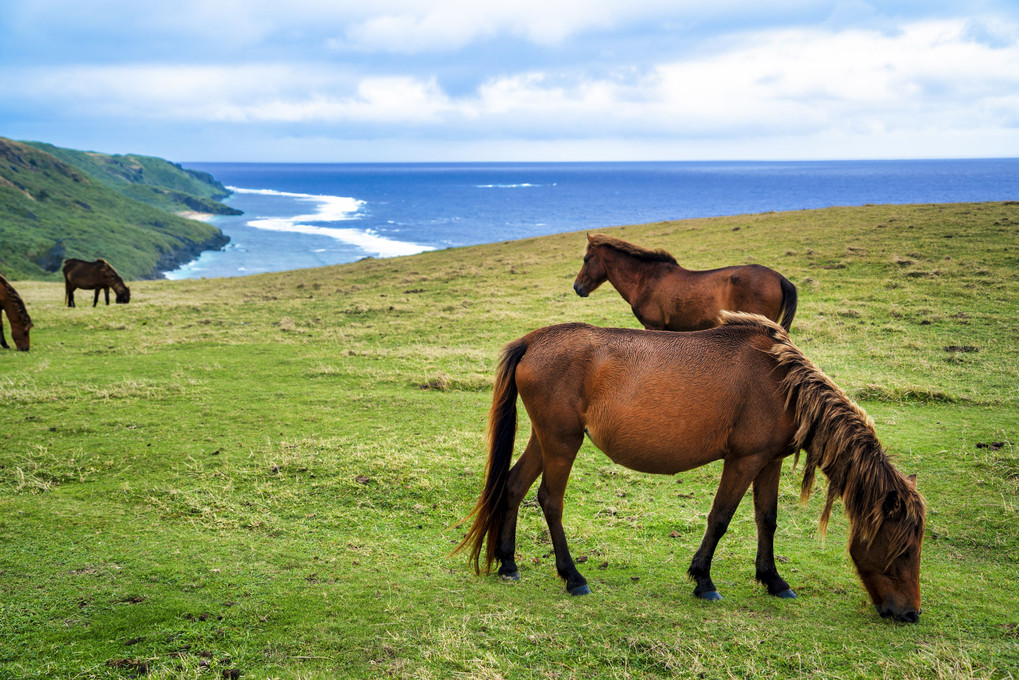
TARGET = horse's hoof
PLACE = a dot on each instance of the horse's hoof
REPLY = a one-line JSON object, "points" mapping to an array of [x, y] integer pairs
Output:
{"points": [[710, 596], [512, 576], [581, 590], [786, 594]]}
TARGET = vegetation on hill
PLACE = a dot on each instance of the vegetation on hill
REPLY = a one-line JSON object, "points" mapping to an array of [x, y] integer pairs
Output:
{"points": [[151, 180], [264, 475], [51, 209]]}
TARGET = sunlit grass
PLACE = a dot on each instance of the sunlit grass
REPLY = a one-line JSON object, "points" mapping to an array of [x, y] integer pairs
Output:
{"points": [[267, 473]]}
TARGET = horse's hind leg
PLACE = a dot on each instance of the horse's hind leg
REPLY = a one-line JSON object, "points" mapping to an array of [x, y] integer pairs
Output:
{"points": [[521, 477], [736, 477], [69, 289], [3, 340], [558, 457], [766, 514]]}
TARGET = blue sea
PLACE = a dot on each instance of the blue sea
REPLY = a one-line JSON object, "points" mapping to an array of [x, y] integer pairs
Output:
{"points": [[310, 215]]}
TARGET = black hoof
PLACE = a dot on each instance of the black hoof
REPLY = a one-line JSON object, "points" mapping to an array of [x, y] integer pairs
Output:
{"points": [[710, 596], [786, 594], [581, 590], [512, 576]]}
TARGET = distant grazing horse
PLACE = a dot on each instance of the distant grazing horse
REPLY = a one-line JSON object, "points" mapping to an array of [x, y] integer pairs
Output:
{"points": [[665, 403], [665, 296], [21, 324], [98, 275]]}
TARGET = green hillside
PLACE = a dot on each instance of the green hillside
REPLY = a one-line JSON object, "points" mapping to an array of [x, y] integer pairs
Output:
{"points": [[151, 180], [51, 210]]}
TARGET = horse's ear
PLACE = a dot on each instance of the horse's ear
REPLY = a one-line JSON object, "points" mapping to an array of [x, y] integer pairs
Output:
{"points": [[589, 237], [892, 504], [912, 479]]}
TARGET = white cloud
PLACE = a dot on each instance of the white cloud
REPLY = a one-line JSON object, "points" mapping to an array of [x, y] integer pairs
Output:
{"points": [[942, 80], [927, 75]]}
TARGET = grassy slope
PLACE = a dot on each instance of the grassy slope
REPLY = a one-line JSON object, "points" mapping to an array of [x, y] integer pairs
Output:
{"points": [[151, 180], [262, 473], [44, 201]]}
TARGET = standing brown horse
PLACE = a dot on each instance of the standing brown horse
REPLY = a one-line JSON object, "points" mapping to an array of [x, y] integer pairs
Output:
{"points": [[665, 296], [98, 275], [664, 403], [21, 323]]}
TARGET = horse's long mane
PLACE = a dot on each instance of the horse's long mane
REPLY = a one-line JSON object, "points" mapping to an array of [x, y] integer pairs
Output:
{"points": [[839, 438], [16, 302], [631, 249]]}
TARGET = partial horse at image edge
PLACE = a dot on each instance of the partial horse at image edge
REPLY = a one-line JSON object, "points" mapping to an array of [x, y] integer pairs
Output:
{"points": [[744, 379], [663, 295], [21, 323], [98, 276]]}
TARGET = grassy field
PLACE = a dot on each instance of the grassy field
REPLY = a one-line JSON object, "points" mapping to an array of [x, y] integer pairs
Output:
{"points": [[263, 475]]}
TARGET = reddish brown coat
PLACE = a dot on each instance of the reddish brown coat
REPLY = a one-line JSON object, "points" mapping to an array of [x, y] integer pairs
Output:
{"points": [[663, 403], [665, 296]]}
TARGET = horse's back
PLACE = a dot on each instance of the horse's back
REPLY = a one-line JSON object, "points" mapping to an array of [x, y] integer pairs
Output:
{"points": [[751, 288], [85, 274]]}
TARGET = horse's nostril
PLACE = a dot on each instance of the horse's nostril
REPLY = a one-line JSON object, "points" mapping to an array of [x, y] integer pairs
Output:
{"points": [[911, 617]]}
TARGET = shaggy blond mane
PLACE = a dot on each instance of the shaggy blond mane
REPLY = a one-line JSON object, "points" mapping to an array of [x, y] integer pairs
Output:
{"points": [[839, 438], [631, 249]]}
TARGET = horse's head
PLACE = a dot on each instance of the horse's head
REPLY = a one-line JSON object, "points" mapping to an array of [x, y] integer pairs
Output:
{"points": [[592, 273], [889, 561], [123, 294], [19, 333]]}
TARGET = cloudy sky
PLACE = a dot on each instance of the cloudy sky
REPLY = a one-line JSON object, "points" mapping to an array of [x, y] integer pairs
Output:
{"points": [[476, 80]]}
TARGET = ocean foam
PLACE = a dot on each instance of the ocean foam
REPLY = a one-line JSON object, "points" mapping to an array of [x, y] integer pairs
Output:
{"points": [[332, 209]]}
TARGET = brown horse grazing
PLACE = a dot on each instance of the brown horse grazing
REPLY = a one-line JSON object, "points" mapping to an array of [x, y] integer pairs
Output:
{"points": [[664, 403], [98, 275], [21, 323], [665, 296]]}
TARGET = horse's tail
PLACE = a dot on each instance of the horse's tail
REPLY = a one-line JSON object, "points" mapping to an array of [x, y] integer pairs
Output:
{"points": [[502, 429], [789, 297]]}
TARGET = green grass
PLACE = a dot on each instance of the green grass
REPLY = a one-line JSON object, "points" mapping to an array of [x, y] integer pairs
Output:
{"points": [[265, 473]]}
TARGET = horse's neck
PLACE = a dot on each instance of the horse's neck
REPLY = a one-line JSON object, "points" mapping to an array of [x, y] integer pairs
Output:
{"points": [[628, 275], [9, 304]]}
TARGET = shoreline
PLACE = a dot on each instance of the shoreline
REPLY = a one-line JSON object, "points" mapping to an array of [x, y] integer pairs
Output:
{"points": [[195, 215]]}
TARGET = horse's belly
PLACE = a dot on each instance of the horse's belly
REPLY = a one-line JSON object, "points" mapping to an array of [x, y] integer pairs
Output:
{"points": [[660, 452]]}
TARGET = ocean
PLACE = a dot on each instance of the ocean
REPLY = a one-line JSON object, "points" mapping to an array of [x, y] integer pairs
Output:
{"points": [[311, 215]]}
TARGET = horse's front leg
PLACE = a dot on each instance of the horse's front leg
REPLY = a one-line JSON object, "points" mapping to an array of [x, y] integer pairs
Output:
{"points": [[557, 460], [95, 298], [766, 514], [106, 292], [736, 477], [521, 478]]}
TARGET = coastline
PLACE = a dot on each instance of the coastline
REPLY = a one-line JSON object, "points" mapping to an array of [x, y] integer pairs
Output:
{"points": [[169, 261], [195, 215], [299, 216]]}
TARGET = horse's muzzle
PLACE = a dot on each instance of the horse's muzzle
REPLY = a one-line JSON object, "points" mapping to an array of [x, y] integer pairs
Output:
{"points": [[908, 616], [580, 289]]}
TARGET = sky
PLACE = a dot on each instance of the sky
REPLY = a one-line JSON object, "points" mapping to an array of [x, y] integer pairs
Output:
{"points": [[514, 80]]}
